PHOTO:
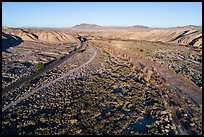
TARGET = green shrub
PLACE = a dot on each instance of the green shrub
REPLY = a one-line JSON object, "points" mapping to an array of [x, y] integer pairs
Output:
{"points": [[39, 66]]}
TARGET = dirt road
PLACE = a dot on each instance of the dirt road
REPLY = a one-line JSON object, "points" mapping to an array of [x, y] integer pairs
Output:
{"points": [[49, 83]]}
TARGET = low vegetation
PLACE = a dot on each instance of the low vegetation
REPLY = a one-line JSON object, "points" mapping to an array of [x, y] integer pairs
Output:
{"points": [[39, 66]]}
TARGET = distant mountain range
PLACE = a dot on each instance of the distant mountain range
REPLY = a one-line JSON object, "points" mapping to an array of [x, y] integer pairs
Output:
{"points": [[139, 26], [86, 26], [95, 26], [190, 26]]}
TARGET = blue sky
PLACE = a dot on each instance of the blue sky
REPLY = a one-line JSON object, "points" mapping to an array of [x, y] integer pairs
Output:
{"points": [[67, 14]]}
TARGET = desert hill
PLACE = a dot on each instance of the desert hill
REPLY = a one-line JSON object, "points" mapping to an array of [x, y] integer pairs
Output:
{"points": [[186, 35], [183, 35], [48, 36]]}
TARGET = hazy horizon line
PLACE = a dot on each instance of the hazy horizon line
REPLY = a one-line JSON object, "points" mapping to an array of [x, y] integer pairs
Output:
{"points": [[102, 26]]}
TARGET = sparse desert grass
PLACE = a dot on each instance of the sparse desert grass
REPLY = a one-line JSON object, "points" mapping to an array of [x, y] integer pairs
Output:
{"points": [[114, 101], [172, 56]]}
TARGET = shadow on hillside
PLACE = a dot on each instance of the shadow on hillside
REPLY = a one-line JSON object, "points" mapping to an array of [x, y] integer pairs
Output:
{"points": [[183, 34], [9, 41]]}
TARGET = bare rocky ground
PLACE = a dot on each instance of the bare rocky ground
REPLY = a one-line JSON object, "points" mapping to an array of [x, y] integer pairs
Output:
{"points": [[20, 61], [73, 62]]}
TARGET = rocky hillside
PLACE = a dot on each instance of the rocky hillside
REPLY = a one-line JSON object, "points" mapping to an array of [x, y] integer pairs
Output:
{"points": [[184, 35], [47, 36]]}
